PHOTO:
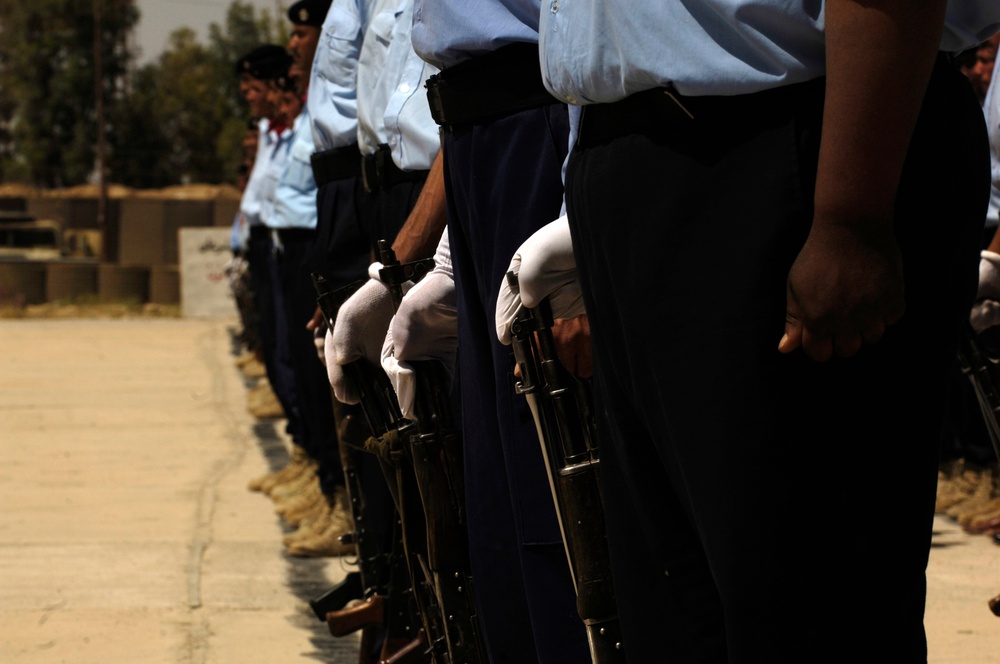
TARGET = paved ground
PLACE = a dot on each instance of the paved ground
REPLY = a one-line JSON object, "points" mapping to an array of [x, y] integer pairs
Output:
{"points": [[127, 533]]}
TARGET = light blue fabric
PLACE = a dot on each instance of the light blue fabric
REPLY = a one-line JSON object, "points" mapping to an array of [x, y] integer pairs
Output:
{"points": [[295, 198], [332, 100], [991, 109], [250, 203], [392, 101], [446, 32], [239, 238], [277, 157], [604, 50]]}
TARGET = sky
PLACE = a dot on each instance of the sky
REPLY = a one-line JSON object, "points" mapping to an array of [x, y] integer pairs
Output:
{"points": [[161, 17]]}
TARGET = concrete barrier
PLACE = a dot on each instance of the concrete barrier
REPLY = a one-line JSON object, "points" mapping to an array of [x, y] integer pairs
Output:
{"points": [[165, 284], [70, 280], [205, 291], [123, 282], [22, 282]]}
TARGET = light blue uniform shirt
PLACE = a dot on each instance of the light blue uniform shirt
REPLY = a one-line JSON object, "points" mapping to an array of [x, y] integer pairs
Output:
{"points": [[392, 101], [273, 169], [605, 50], [991, 109], [250, 203], [332, 100], [295, 198], [446, 32]]}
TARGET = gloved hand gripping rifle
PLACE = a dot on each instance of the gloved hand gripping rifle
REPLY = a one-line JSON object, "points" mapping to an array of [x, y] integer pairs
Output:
{"points": [[433, 446], [561, 407], [382, 576]]}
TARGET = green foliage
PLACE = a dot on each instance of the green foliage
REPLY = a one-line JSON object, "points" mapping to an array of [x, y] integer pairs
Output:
{"points": [[47, 120], [178, 119]]}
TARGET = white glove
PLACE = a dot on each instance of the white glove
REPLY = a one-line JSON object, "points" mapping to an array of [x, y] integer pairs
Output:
{"points": [[545, 267], [424, 328], [358, 333], [319, 341], [986, 311]]}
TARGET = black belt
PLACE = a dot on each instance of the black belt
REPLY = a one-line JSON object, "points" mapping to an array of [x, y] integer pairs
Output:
{"points": [[296, 234], [663, 109], [337, 164], [379, 171], [259, 232], [491, 86]]}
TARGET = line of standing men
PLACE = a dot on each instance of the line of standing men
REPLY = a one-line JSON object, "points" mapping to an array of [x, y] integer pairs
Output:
{"points": [[748, 188]]}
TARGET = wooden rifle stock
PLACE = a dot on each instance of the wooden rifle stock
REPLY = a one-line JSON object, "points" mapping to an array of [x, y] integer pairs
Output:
{"points": [[348, 620], [383, 573], [435, 449], [561, 407]]}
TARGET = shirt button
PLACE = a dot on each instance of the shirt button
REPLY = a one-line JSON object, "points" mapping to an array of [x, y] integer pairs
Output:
{"points": [[405, 87], [555, 6]]}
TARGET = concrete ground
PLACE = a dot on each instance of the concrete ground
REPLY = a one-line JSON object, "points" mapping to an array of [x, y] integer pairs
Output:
{"points": [[127, 533]]}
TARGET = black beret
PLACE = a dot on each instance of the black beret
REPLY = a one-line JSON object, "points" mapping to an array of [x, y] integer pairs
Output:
{"points": [[269, 69], [285, 83], [267, 57], [309, 12]]}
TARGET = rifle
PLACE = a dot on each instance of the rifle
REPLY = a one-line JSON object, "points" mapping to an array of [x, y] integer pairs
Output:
{"points": [[382, 575], [983, 369], [560, 406], [432, 444]]}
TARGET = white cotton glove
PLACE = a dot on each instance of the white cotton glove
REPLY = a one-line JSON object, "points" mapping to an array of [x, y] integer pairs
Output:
{"points": [[545, 267], [424, 328], [986, 311], [319, 341], [358, 333]]}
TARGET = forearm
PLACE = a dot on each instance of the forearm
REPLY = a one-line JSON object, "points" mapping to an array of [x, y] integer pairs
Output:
{"points": [[879, 56], [419, 236]]}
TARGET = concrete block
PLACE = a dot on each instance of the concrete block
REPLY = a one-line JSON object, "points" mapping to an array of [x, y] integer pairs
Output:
{"points": [[123, 282], [22, 282], [69, 280], [204, 256], [164, 284]]}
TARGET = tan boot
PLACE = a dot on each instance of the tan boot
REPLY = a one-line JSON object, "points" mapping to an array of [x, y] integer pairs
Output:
{"points": [[311, 527], [307, 504], [294, 484], [263, 403], [267, 480], [299, 502], [982, 491], [326, 544]]}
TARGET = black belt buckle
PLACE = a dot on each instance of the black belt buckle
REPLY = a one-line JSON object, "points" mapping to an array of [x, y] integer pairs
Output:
{"points": [[433, 86]]}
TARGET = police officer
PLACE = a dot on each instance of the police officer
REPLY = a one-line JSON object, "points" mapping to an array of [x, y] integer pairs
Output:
{"points": [[504, 142], [776, 268]]}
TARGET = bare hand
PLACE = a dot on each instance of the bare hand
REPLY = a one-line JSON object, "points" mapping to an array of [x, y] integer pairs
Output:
{"points": [[844, 289], [572, 337], [317, 322]]}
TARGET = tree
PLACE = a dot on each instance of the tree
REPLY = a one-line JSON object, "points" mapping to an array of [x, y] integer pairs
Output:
{"points": [[184, 119], [47, 79]]}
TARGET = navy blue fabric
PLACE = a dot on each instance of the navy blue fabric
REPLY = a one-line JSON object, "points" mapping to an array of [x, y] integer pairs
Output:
{"points": [[503, 183], [273, 334], [781, 508], [341, 252], [315, 400]]}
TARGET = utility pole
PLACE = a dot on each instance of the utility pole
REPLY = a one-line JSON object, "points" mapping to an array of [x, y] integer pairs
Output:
{"points": [[102, 186]]}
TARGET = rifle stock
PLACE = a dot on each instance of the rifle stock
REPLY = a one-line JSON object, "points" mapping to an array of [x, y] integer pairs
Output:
{"points": [[560, 405]]}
